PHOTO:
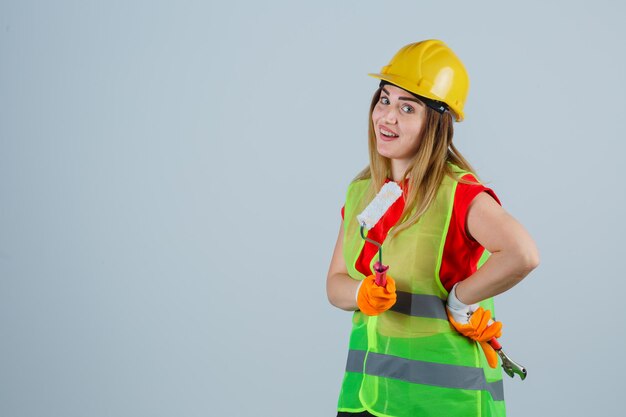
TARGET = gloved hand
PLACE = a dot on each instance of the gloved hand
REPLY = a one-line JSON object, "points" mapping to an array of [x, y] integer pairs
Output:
{"points": [[474, 322], [373, 299]]}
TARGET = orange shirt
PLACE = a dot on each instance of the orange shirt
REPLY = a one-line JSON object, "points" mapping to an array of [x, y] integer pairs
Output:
{"points": [[460, 252]]}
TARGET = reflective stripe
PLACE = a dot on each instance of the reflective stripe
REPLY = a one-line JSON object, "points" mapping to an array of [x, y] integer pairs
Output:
{"points": [[427, 373], [420, 305], [496, 389], [355, 361]]}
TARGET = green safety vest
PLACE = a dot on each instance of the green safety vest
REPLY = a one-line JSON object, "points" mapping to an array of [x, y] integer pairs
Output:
{"points": [[409, 360]]}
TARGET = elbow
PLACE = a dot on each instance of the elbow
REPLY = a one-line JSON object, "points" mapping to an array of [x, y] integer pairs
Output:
{"points": [[340, 291], [335, 302], [528, 259], [331, 292], [329, 295], [331, 299]]}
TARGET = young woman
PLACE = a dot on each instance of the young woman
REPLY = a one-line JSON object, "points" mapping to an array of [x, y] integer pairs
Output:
{"points": [[418, 345]]}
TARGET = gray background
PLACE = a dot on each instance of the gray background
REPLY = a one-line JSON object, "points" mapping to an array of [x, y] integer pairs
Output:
{"points": [[171, 178]]}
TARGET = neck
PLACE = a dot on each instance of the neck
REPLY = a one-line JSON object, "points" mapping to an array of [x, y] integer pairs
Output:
{"points": [[398, 168]]}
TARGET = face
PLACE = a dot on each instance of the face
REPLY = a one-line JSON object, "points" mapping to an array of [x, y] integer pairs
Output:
{"points": [[398, 119]]}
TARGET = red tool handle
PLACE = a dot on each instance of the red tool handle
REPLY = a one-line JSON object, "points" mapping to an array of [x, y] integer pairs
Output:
{"points": [[495, 344], [381, 274]]}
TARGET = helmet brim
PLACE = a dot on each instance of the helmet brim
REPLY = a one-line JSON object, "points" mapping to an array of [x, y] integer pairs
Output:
{"points": [[413, 88]]}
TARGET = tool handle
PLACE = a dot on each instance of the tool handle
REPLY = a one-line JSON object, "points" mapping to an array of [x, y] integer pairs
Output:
{"points": [[495, 344], [381, 274]]}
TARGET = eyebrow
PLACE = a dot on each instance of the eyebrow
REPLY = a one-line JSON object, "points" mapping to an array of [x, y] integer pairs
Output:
{"points": [[405, 98]]}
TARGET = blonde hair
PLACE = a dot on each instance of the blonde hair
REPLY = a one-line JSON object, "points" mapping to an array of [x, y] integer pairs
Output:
{"points": [[426, 170]]}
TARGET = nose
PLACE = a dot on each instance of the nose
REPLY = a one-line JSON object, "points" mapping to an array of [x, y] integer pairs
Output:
{"points": [[390, 116]]}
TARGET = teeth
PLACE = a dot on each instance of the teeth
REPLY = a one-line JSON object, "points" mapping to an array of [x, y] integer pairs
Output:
{"points": [[388, 134]]}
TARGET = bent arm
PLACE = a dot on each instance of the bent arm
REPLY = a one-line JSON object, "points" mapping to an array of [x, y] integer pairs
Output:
{"points": [[340, 287], [513, 252]]}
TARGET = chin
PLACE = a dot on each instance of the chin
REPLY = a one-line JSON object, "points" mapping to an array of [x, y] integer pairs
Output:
{"points": [[385, 153]]}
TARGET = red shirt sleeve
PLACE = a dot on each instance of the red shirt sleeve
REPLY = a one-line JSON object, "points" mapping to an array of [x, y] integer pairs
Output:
{"points": [[461, 252]]}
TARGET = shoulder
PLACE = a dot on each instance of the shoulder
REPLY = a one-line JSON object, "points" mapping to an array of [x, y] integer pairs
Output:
{"points": [[355, 192], [467, 194], [359, 183], [357, 188], [468, 190]]}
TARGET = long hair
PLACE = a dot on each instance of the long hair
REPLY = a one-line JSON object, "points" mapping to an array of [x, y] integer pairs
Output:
{"points": [[426, 170]]}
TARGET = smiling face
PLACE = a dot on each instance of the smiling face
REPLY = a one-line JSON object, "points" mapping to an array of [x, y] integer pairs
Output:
{"points": [[398, 119]]}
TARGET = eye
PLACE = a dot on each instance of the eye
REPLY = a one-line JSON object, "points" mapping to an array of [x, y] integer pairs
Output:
{"points": [[384, 100], [407, 109]]}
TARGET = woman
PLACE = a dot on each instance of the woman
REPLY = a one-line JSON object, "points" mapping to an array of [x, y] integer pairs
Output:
{"points": [[418, 344]]}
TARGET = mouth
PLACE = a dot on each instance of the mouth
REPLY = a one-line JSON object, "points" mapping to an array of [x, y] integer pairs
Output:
{"points": [[386, 134]]}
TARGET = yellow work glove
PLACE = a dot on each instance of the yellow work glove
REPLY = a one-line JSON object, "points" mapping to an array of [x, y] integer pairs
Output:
{"points": [[373, 299], [474, 322]]}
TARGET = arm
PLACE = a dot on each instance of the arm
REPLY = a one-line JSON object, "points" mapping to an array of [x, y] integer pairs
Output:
{"points": [[513, 252], [340, 287]]}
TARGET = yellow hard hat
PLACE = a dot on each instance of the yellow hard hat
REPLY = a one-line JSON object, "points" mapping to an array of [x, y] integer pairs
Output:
{"points": [[429, 69]]}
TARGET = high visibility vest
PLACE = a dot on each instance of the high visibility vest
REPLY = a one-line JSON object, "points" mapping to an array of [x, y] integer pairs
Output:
{"points": [[409, 360]]}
